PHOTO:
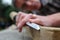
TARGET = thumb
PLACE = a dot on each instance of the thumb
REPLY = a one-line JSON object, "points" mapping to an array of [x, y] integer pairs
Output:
{"points": [[37, 21], [32, 20]]}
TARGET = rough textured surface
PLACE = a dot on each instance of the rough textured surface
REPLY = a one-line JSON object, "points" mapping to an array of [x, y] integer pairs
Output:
{"points": [[35, 34], [13, 34], [46, 33]]}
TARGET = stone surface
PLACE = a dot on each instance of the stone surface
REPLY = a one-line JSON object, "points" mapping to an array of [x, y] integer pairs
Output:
{"points": [[12, 34]]}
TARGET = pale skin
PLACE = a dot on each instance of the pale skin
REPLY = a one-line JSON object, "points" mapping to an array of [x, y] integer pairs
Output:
{"points": [[22, 18]]}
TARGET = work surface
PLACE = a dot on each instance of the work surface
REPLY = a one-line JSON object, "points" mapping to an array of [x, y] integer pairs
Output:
{"points": [[13, 34]]}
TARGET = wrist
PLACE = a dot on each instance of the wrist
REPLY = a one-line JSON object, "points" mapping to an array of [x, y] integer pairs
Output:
{"points": [[55, 21], [47, 21]]}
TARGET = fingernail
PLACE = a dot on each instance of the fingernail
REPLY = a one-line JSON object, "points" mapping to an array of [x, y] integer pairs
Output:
{"points": [[18, 25]]}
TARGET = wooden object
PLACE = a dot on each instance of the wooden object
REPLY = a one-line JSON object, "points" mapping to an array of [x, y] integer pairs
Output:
{"points": [[45, 33]]}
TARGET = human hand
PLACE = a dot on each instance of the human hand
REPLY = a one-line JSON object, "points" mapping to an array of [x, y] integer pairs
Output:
{"points": [[22, 18], [42, 20]]}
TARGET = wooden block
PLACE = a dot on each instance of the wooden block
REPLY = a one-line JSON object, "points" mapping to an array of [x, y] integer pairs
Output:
{"points": [[34, 33], [45, 33]]}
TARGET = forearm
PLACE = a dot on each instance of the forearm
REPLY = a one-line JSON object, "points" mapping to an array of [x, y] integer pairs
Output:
{"points": [[55, 19]]}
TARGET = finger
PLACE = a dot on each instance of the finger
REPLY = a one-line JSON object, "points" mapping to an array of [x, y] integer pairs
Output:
{"points": [[17, 18], [34, 16], [20, 16], [20, 25], [33, 20], [37, 21], [23, 22]]}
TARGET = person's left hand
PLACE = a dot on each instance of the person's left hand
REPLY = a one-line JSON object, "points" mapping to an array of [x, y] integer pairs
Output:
{"points": [[22, 18]]}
